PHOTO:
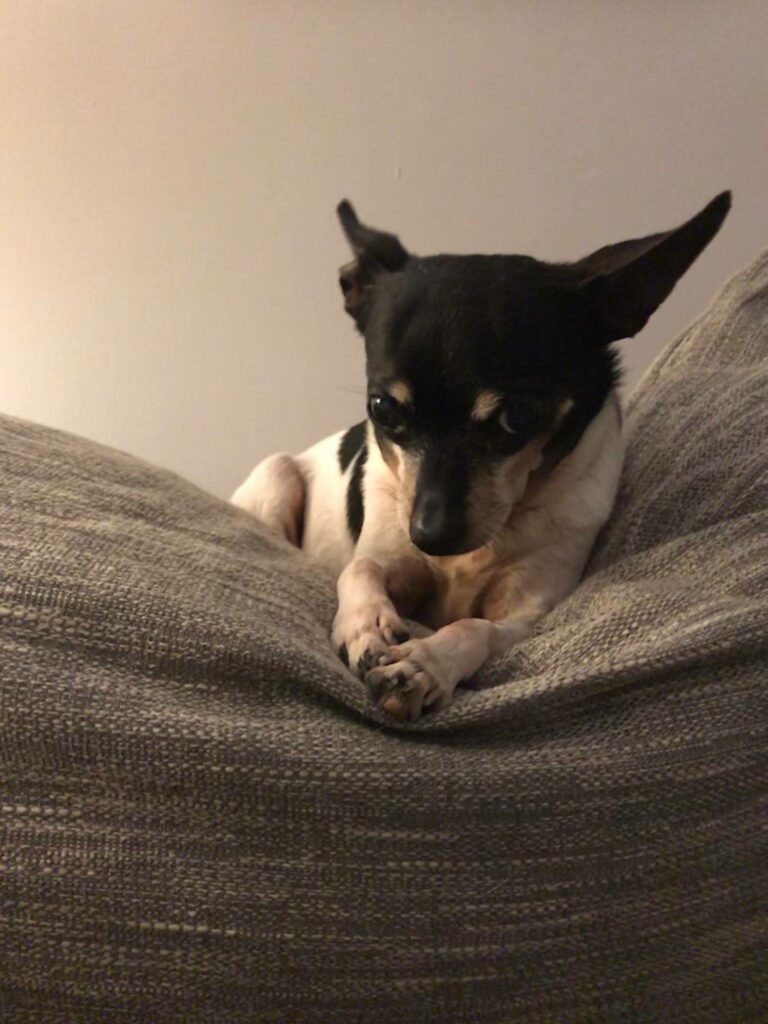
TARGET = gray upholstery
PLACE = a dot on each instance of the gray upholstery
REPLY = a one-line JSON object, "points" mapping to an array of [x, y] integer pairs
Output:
{"points": [[204, 820]]}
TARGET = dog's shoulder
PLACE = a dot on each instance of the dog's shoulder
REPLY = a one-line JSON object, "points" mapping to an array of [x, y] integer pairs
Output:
{"points": [[334, 470]]}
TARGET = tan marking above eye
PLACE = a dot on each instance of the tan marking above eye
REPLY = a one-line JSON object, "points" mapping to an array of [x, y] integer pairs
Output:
{"points": [[401, 392], [486, 404]]}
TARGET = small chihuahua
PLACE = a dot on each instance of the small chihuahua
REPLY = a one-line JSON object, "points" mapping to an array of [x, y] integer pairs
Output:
{"points": [[470, 498]]}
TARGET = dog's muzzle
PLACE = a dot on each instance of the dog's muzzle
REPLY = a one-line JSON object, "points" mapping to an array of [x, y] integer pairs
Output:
{"points": [[436, 528]]}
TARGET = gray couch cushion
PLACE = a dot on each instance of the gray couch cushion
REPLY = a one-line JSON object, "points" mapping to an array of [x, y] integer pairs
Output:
{"points": [[204, 820]]}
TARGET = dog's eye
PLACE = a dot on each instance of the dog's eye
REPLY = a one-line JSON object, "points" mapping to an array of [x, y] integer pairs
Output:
{"points": [[386, 412], [506, 423], [524, 416]]}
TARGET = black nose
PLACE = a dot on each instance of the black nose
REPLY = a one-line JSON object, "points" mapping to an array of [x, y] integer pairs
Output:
{"points": [[436, 529]]}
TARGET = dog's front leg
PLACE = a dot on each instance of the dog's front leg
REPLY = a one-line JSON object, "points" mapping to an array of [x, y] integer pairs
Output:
{"points": [[425, 672], [367, 623]]}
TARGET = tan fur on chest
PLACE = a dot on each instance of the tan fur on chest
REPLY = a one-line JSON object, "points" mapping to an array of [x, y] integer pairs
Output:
{"points": [[482, 584], [460, 584]]}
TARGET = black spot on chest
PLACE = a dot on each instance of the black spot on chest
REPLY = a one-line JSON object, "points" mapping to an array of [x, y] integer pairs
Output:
{"points": [[351, 443], [355, 504], [354, 449]]}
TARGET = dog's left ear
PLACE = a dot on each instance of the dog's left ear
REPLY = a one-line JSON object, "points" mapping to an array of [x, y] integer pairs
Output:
{"points": [[376, 252], [627, 282]]}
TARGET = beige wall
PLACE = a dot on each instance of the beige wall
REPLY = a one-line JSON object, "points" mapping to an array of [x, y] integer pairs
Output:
{"points": [[169, 171]]}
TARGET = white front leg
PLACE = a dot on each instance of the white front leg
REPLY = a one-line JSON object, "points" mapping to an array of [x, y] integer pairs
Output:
{"points": [[424, 672], [367, 622]]}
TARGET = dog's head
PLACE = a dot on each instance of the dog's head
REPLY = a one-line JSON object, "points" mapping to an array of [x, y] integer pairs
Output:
{"points": [[485, 369]]}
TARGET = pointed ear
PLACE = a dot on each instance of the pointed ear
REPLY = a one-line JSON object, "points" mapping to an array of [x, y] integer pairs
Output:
{"points": [[376, 252], [627, 282]]}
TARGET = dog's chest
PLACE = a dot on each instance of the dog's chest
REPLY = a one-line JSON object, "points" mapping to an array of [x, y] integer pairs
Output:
{"points": [[461, 588]]}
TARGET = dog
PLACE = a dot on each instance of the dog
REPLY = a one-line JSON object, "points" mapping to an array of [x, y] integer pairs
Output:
{"points": [[470, 498]]}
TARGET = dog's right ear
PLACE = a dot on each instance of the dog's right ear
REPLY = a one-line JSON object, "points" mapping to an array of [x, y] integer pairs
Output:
{"points": [[376, 253]]}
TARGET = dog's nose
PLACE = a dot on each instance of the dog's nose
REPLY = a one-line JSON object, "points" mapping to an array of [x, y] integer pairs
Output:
{"points": [[435, 529]]}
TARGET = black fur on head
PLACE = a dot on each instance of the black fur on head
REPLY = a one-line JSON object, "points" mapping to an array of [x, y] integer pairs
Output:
{"points": [[536, 334]]}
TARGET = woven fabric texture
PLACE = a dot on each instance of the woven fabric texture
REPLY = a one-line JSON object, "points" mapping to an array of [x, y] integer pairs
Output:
{"points": [[203, 821]]}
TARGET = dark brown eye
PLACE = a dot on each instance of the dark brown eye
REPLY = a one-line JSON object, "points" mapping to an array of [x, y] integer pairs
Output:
{"points": [[523, 416], [386, 413], [506, 423]]}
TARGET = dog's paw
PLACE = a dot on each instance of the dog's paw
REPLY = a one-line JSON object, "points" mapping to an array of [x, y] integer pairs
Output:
{"points": [[408, 680], [363, 637]]}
